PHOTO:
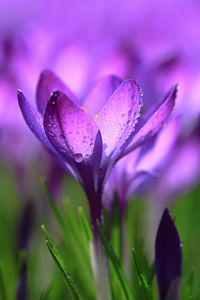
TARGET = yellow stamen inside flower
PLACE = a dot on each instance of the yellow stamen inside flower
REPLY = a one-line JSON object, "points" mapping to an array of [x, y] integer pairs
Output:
{"points": [[84, 108], [95, 117]]}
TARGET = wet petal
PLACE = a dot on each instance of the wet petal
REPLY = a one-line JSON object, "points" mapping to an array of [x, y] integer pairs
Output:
{"points": [[100, 94], [33, 120], [118, 117], [150, 124], [69, 128], [168, 258], [48, 83]]}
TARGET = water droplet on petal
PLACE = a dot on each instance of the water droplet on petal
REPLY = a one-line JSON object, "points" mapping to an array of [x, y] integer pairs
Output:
{"points": [[51, 133], [78, 157], [129, 112]]}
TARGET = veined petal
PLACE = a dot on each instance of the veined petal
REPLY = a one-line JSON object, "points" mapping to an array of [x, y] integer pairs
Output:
{"points": [[101, 92], [34, 120], [151, 123], [69, 128], [118, 117], [47, 84], [168, 258]]}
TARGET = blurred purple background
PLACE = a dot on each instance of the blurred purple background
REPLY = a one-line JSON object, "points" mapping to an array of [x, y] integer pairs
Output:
{"points": [[157, 43]]}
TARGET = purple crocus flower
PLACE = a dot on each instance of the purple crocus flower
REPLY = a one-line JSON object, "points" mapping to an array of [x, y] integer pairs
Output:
{"points": [[178, 177], [168, 258], [92, 136]]}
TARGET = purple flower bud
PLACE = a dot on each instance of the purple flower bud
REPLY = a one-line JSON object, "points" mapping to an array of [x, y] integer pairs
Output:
{"points": [[168, 258]]}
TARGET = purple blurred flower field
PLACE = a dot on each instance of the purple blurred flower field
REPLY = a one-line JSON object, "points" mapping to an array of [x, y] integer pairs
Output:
{"points": [[111, 91]]}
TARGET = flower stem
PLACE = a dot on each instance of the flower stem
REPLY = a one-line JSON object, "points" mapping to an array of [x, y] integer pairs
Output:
{"points": [[99, 267]]}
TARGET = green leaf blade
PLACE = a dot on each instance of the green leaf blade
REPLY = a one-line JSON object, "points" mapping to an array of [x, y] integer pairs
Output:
{"points": [[55, 253]]}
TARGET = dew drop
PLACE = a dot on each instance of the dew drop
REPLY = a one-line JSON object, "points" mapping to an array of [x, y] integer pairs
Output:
{"points": [[78, 157], [129, 112], [51, 133]]}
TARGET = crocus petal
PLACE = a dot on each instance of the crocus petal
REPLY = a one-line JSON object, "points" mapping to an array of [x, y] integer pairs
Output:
{"points": [[161, 149], [47, 84], [69, 128], [182, 172], [150, 124], [168, 258], [118, 117], [34, 121], [102, 91]]}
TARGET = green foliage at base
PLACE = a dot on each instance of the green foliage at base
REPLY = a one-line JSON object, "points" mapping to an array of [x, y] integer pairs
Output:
{"points": [[61, 267]]}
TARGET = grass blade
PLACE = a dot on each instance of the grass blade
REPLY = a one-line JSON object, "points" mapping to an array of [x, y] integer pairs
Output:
{"points": [[116, 265], [189, 286], [55, 253], [84, 223], [2, 287], [51, 203], [145, 288]]}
